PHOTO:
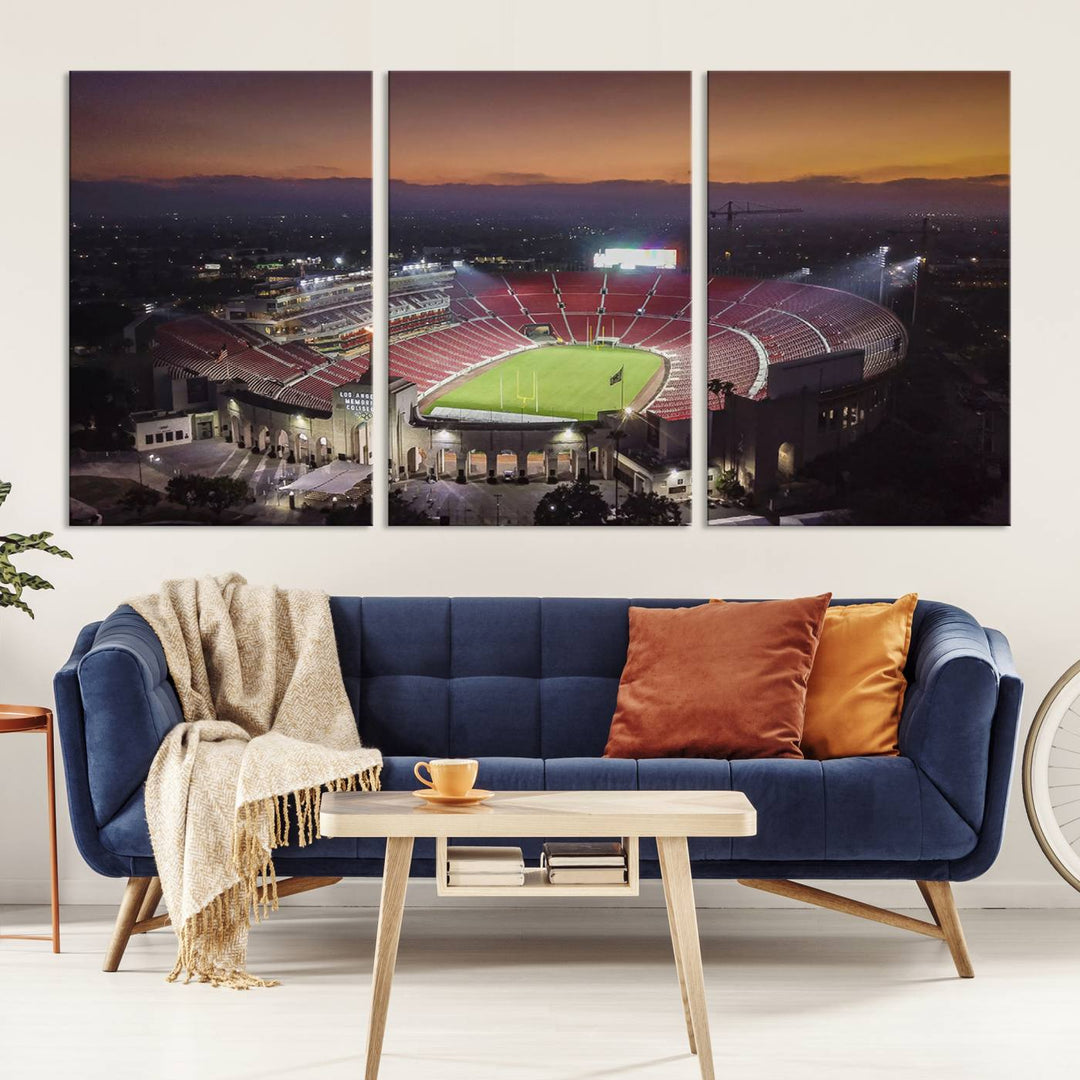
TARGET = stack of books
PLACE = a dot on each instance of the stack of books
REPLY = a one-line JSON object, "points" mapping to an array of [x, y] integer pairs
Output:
{"points": [[592, 863], [485, 866]]}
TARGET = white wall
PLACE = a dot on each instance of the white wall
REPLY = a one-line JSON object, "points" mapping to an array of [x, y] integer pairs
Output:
{"points": [[1021, 579]]}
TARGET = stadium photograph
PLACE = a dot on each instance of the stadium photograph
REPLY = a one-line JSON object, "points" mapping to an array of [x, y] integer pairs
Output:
{"points": [[220, 298], [539, 299], [858, 323]]}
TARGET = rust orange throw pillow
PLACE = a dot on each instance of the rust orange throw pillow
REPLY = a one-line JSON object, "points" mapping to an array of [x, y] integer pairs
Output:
{"points": [[856, 691], [718, 680]]}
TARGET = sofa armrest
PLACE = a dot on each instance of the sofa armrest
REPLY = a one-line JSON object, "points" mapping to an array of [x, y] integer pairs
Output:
{"points": [[128, 704], [69, 726], [950, 705], [1004, 737]]}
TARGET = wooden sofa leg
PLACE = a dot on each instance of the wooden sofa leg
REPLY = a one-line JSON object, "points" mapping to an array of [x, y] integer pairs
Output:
{"points": [[939, 899], [937, 894], [149, 906], [134, 895]]}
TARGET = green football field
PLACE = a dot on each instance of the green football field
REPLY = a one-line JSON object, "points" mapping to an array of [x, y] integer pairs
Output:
{"points": [[555, 380]]}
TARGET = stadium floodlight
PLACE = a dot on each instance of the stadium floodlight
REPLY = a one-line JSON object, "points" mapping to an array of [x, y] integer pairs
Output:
{"points": [[339, 261], [569, 433], [628, 411]]}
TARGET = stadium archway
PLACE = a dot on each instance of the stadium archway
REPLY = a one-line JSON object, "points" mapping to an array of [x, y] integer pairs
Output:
{"points": [[234, 430], [785, 461], [415, 460], [323, 452], [282, 443], [358, 443], [302, 447]]}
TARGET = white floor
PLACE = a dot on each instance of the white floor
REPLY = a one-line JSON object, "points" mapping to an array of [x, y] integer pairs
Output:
{"points": [[537, 994]]}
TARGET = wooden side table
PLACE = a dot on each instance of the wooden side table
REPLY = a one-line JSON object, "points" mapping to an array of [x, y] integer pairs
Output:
{"points": [[34, 718]]}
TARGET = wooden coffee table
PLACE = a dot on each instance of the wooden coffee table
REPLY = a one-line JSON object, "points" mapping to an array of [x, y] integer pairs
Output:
{"points": [[669, 816]]}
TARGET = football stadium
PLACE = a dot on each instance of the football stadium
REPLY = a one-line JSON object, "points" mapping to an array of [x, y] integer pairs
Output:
{"points": [[533, 346], [546, 377], [289, 365], [756, 326], [795, 371]]}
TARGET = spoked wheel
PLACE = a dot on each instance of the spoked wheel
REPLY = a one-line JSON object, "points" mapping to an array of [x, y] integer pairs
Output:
{"points": [[1052, 776]]}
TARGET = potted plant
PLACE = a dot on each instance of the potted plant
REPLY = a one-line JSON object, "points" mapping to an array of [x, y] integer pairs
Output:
{"points": [[13, 582]]}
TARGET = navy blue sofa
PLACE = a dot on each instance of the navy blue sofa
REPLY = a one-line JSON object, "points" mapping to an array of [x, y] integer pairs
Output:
{"points": [[528, 686]]}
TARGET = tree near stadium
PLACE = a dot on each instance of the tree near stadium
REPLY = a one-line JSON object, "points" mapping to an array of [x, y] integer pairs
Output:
{"points": [[579, 503], [648, 508], [214, 493]]}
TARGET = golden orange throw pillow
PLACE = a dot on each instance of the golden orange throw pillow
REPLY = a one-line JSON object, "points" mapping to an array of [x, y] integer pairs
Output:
{"points": [[717, 680], [857, 687]]}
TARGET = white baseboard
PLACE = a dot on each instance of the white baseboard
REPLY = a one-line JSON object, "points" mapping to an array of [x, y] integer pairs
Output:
{"points": [[364, 893]]}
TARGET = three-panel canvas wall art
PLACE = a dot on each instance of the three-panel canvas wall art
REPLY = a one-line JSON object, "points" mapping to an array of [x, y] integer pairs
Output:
{"points": [[539, 358]]}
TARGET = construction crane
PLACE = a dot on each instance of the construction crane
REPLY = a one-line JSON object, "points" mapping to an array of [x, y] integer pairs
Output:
{"points": [[731, 209]]}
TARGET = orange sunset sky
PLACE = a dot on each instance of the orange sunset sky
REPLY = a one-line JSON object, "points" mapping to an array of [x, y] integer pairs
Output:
{"points": [[533, 127], [154, 125], [869, 126]]}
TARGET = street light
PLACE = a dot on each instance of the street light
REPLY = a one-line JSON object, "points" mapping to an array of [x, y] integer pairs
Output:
{"points": [[883, 250]]}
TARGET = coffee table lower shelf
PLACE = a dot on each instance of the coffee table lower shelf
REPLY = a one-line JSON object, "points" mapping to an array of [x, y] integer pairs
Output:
{"points": [[536, 882]]}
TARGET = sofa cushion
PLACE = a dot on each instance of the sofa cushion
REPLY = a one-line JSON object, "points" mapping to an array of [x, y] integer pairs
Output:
{"points": [[718, 681], [856, 690], [849, 809]]}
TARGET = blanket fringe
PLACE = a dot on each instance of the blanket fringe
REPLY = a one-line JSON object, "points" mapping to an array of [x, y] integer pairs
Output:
{"points": [[212, 943]]}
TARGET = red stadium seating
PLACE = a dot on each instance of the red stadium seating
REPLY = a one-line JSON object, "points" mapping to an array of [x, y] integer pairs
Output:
{"points": [[525, 284], [575, 280], [673, 283], [481, 283], [430, 358], [666, 305], [752, 323], [502, 304], [581, 302], [792, 321], [290, 373]]}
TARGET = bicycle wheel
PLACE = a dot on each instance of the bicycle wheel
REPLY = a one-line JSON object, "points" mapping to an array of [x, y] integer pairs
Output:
{"points": [[1052, 776]]}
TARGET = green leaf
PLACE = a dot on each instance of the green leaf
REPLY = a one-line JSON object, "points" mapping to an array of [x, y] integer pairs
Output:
{"points": [[13, 581], [10, 600]]}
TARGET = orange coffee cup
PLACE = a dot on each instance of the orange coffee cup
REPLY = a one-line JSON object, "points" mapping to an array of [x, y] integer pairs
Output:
{"points": [[449, 776]]}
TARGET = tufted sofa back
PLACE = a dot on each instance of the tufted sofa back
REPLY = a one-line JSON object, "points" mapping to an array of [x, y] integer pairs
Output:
{"points": [[484, 677]]}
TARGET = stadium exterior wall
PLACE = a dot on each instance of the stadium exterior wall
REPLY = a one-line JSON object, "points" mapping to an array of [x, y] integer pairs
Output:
{"points": [[767, 441], [417, 450], [313, 438]]}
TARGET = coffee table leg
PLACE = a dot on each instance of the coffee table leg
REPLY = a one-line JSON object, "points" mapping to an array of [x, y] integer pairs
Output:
{"points": [[679, 888], [391, 908], [677, 950]]}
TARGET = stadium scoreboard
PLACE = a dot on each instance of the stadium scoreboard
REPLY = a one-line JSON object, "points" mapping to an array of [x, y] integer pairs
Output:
{"points": [[635, 259]]}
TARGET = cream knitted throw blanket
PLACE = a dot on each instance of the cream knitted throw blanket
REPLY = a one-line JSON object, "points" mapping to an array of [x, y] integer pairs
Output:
{"points": [[267, 726]]}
